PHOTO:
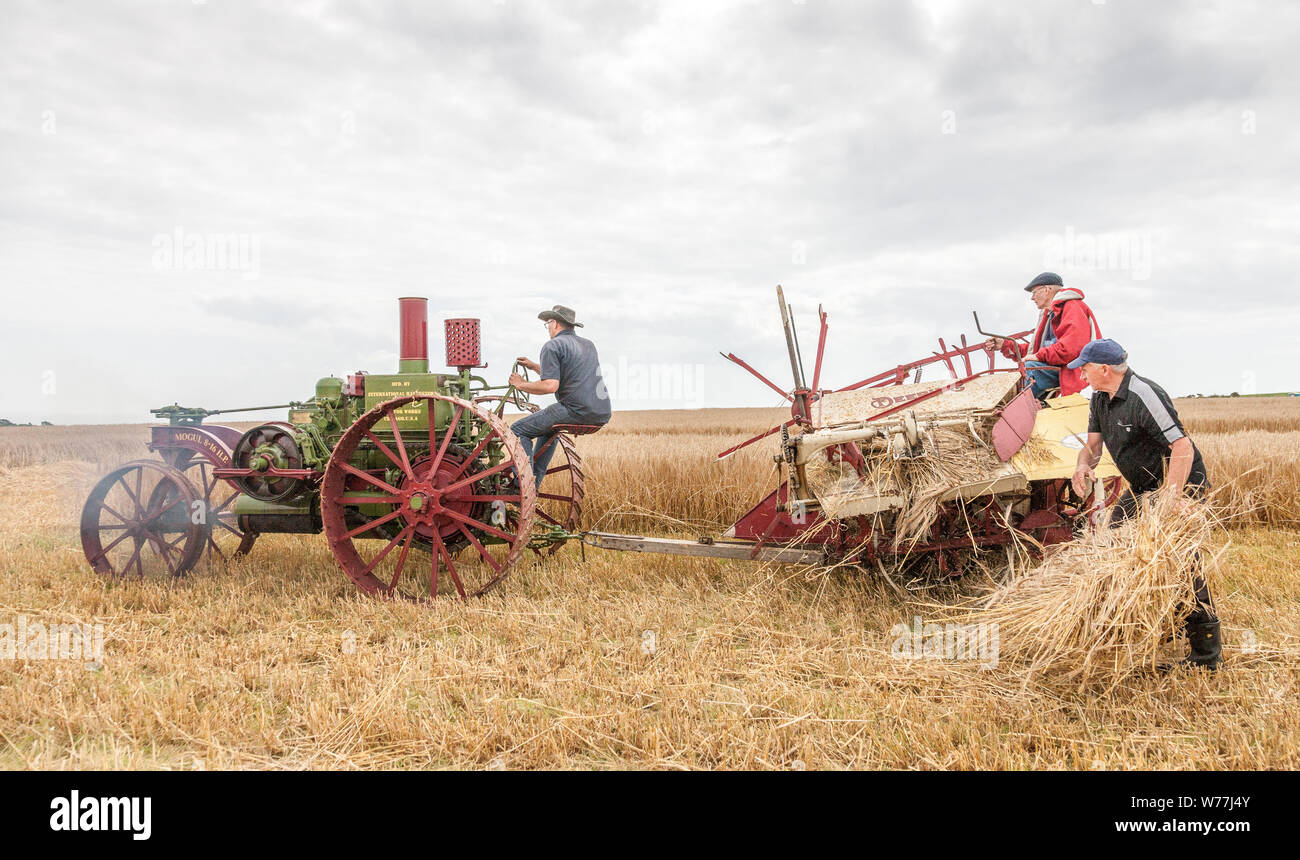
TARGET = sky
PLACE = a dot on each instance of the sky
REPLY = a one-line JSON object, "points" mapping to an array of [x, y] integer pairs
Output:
{"points": [[218, 202]]}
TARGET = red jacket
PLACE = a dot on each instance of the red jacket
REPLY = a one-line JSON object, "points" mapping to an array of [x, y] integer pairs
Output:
{"points": [[1074, 323]]}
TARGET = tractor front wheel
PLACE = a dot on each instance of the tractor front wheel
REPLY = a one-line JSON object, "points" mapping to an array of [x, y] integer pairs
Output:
{"points": [[143, 518]]}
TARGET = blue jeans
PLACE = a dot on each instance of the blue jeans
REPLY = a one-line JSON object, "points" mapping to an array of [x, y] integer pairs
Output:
{"points": [[535, 430], [1042, 377]]}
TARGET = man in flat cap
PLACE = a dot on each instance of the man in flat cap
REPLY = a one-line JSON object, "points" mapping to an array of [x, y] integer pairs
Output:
{"points": [[1065, 324], [1137, 422], [569, 369]]}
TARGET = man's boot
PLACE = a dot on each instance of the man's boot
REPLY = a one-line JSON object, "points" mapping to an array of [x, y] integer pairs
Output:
{"points": [[1207, 645]]}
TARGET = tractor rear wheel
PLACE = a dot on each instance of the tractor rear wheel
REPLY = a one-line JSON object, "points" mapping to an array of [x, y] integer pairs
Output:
{"points": [[422, 491]]}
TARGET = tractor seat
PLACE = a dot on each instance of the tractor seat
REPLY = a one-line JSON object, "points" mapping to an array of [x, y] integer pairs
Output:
{"points": [[576, 429]]}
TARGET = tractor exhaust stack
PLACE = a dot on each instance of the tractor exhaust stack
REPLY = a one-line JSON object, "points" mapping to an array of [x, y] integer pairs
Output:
{"points": [[414, 355]]}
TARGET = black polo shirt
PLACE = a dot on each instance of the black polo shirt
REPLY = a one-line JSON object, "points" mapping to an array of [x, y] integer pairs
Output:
{"points": [[1139, 425]]}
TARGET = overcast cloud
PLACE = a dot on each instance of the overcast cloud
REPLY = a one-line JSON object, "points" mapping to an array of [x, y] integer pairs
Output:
{"points": [[658, 166]]}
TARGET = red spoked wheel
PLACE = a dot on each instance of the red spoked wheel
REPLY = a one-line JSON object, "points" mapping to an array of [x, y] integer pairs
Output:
{"points": [[226, 540], [140, 518], [559, 500], [387, 490]]}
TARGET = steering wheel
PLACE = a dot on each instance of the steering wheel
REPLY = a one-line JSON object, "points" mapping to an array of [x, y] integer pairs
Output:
{"points": [[514, 395]]}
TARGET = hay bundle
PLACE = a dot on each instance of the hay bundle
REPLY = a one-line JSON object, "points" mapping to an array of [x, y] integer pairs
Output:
{"points": [[954, 456], [1104, 605]]}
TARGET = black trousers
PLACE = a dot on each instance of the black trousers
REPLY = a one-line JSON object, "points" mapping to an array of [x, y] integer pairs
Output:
{"points": [[1203, 613]]}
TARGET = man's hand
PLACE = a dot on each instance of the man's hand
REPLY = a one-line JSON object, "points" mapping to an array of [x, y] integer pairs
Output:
{"points": [[1173, 498], [529, 363], [516, 380], [993, 343], [1082, 480]]}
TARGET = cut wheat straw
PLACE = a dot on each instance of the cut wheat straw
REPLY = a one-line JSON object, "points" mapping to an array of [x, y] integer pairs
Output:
{"points": [[953, 457], [1103, 606]]}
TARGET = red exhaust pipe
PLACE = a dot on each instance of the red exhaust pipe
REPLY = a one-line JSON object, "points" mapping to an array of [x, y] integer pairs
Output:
{"points": [[414, 355]]}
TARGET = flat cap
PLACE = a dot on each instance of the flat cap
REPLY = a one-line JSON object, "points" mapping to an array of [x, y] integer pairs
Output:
{"points": [[1046, 279]]}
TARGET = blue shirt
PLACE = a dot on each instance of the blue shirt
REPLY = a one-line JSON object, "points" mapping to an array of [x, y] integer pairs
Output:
{"points": [[572, 360]]}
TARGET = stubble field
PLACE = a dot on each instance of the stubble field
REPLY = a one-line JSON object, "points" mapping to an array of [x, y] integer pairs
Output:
{"points": [[618, 660]]}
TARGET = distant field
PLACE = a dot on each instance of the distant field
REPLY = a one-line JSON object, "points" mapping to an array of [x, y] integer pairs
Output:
{"points": [[620, 660]]}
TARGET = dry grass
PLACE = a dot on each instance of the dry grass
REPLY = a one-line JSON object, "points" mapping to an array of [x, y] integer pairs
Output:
{"points": [[1098, 610], [1203, 415], [276, 661]]}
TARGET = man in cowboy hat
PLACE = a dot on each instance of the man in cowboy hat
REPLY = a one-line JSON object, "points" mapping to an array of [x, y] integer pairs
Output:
{"points": [[569, 369], [1065, 324]]}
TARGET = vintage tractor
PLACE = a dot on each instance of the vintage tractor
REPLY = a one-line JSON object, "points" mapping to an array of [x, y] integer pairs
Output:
{"points": [[382, 463], [896, 469], [887, 469]]}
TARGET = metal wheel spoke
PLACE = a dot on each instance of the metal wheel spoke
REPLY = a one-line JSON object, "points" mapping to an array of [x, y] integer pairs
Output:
{"points": [[160, 548], [503, 498], [401, 446], [139, 509], [135, 557], [451, 568], [228, 527], [478, 476], [479, 525], [552, 471], [487, 556], [104, 552], [165, 508], [446, 439], [555, 497], [401, 559], [473, 455], [436, 560], [370, 500], [105, 506], [389, 548], [374, 523], [550, 519], [383, 485], [222, 507], [384, 449]]}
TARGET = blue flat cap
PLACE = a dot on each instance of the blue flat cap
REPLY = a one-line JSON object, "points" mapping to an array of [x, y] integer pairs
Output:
{"points": [[1046, 279], [1100, 351]]}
